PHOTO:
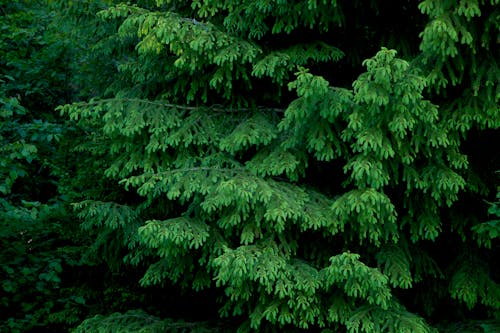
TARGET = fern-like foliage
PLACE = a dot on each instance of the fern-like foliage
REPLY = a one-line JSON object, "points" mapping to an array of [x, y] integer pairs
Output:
{"points": [[212, 191], [138, 321]]}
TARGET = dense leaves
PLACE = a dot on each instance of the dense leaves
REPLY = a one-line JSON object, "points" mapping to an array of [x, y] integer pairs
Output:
{"points": [[270, 166]]}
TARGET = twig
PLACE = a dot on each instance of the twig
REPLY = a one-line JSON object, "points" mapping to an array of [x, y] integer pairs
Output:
{"points": [[215, 107]]}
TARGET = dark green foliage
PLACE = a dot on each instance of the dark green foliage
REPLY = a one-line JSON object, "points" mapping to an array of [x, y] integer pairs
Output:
{"points": [[138, 321], [275, 158], [41, 245], [37, 241], [33, 264], [487, 232], [237, 210]]}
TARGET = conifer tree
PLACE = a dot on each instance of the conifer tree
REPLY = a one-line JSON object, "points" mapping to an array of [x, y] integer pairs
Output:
{"points": [[228, 155]]}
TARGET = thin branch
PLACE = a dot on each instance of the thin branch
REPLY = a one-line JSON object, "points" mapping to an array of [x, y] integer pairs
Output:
{"points": [[215, 107], [194, 169]]}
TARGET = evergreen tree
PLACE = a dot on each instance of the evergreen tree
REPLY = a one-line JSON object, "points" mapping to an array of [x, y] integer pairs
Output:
{"points": [[326, 210], [308, 165]]}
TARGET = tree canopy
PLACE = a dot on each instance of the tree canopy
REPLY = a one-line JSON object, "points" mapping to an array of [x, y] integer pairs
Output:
{"points": [[250, 166]]}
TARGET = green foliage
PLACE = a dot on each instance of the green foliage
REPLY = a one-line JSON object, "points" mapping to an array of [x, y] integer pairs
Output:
{"points": [[245, 151], [12, 151], [471, 283], [489, 231], [188, 49], [457, 36], [473, 327], [39, 244], [33, 265], [140, 322]]}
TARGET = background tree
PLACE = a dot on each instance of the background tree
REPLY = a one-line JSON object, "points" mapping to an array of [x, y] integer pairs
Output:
{"points": [[46, 278], [38, 238]]}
